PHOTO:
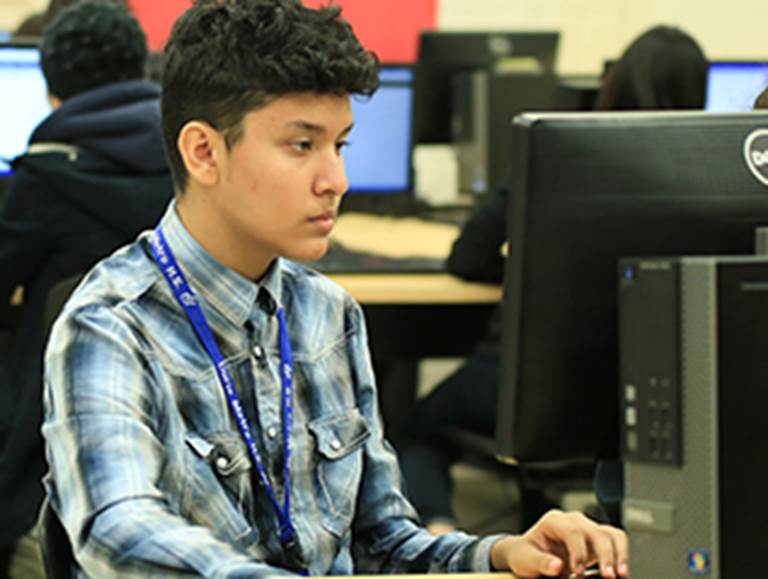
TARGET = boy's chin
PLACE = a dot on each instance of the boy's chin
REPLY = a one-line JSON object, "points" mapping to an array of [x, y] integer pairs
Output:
{"points": [[312, 252]]}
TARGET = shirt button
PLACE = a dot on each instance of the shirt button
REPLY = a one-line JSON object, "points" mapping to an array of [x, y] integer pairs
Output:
{"points": [[222, 462], [335, 444], [271, 431]]}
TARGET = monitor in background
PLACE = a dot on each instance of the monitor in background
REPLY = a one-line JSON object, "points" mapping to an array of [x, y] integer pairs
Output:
{"points": [[589, 188], [378, 159], [442, 55], [734, 86], [23, 100]]}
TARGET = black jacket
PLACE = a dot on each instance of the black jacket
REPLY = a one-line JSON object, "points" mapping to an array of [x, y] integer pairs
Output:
{"points": [[476, 255], [94, 176]]}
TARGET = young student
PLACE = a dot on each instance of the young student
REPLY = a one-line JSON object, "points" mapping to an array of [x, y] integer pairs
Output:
{"points": [[211, 409]]}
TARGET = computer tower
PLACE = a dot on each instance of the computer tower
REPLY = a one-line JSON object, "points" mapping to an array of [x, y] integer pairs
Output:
{"points": [[694, 394], [483, 105]]}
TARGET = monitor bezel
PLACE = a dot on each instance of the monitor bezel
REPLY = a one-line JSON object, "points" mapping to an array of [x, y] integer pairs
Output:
{"points": [[514, 303]]}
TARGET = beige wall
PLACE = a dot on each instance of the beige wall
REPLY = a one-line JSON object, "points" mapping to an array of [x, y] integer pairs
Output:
{"points": [[12, 12], [592, 30]]}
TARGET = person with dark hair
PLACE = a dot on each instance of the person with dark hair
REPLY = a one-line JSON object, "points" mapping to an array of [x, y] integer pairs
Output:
{"points": [[761, 100], [664, 68], [94, 175], [211, 409]]}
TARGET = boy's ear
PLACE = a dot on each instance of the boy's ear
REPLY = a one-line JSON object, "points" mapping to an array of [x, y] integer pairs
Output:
{"points": [[201, 147]]}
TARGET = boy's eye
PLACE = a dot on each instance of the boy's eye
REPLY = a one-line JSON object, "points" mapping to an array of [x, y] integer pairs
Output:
{"points": [[341, 145], [303, 145]]}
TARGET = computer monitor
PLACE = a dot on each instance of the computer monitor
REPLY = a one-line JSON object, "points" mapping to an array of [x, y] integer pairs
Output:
{"points": [[589, 188], [734, 86], [23, 102], [378, 159], [442, 55]]}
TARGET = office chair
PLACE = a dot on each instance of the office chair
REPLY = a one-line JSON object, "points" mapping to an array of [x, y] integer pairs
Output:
{"points": [[541, 486], [58, 558]]}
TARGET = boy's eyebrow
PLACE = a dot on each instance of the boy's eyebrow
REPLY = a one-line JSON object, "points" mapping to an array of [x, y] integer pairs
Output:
{"points": [[315, 128]]}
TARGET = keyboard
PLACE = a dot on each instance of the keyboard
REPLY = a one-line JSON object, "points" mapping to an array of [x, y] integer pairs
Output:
{"points": [[340, 259]]}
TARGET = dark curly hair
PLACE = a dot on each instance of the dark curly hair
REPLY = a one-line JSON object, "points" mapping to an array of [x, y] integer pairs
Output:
{"points": [[664, 68], [226, 58]]}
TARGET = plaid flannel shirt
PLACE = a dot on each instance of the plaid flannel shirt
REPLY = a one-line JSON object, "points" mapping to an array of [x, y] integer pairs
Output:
{"points": [[148, 471]]}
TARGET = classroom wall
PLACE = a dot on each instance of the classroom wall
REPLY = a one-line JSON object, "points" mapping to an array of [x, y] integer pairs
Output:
{"points": [[12, 12], [592, 30]]}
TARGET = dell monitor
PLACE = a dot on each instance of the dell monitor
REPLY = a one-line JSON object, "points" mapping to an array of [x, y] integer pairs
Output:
{"points": [[734, 86], [23, 100], [443, 55], [588, 189]]}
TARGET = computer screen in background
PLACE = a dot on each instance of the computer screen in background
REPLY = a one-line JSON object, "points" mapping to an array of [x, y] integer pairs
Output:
{"points": [[378, 158], [734, 86], [443, 55], [23, 100], [588, 189]]}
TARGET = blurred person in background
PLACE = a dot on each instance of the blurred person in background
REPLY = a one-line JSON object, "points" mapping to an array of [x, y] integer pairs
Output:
{"points": [[664, 68], [93, 177]]}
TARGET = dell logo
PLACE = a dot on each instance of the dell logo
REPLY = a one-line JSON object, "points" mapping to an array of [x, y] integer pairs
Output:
{"points": [[756, 154], [759, 158]]}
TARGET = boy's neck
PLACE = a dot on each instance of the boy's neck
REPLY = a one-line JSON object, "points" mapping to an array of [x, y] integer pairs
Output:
{"points": [[214, 237]]}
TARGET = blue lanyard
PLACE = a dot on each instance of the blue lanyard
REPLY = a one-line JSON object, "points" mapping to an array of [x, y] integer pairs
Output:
{"points": [[187, 300]]}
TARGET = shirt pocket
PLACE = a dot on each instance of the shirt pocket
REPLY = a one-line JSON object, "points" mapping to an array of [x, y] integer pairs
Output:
{"points": [[218, 493], [339, 439]]}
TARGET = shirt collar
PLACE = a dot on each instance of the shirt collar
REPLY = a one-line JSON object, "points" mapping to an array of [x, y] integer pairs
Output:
{"points": [[226, 290]]}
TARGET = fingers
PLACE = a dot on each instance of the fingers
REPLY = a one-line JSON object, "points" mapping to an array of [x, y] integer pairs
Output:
{"points": [[604, 550], [586, 542], [611, 549], [568, 528], [525, 559], [621, 549]]}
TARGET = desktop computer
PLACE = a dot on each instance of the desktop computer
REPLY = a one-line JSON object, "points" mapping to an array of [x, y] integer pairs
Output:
{"points": [[445, 54], [484, 104], [693, 397]]}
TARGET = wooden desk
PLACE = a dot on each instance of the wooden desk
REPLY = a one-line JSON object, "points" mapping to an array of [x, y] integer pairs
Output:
{"points": [[416, 289], [404, 237], [437, 576]]}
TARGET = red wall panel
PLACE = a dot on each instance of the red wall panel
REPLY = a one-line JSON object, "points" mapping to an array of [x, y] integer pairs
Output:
{"points": [[389, 27], [157, 18]]}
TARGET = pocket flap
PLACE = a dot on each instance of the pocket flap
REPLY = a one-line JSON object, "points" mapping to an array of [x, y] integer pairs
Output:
{"points": [[225, 451], [339, 434], [199, 445]]}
